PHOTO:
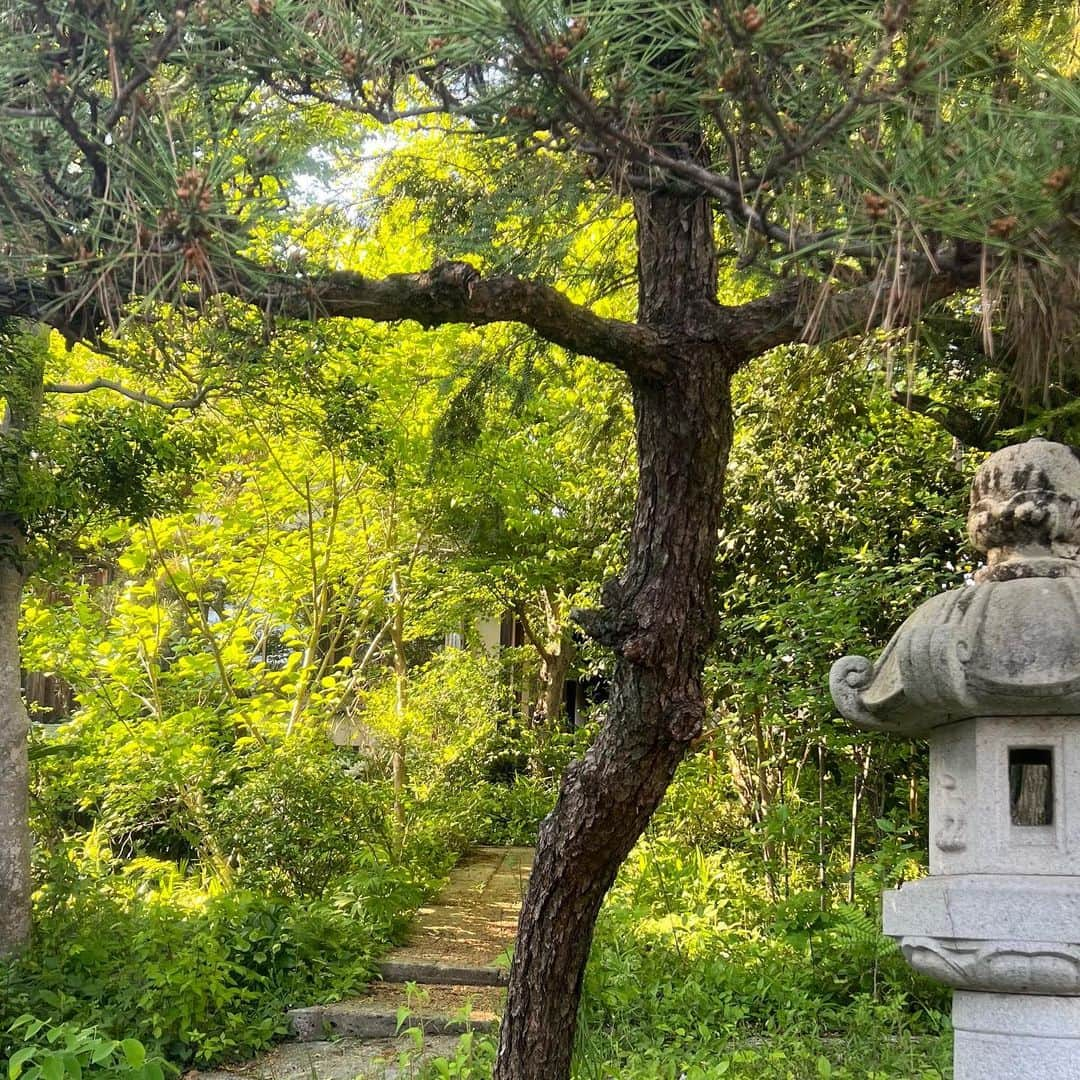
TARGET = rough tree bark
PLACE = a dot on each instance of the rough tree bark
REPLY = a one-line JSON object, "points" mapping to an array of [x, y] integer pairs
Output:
{"points": [[14, 763], [657, 618], [20, 404]]}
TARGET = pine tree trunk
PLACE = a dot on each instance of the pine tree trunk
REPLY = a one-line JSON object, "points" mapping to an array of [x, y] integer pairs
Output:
{"points": [[657, 617], [14, 764]]}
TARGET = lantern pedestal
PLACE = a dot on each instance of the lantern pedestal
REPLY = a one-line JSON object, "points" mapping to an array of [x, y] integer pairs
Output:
{"points": [[1009, 946], [1015, 1036]]}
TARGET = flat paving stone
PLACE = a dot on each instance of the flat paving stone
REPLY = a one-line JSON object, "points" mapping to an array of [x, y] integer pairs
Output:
{"points": [[435, 974], [382, 1016], [475, 917]]}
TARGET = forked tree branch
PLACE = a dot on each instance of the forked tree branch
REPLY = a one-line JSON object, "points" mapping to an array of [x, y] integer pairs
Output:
{"points": [[456, 292], [141, 396], [448, 293]]}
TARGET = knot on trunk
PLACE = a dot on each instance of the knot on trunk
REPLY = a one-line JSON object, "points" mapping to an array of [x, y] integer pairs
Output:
{"points": [[600, 626], [642, 650], [685, 720], [450, 279], [615, 624]]}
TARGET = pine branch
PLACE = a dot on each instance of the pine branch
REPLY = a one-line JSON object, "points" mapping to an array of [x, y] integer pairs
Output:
{"points": [[21, 300], [796, 313], [158, 54], [456, 293], [965, 426], [615, 142], [448, 293]]}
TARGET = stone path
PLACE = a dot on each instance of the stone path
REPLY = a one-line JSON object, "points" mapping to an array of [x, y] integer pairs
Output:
{"points": [[455, 958]]}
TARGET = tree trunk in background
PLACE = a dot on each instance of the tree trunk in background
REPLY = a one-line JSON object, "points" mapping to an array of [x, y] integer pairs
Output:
{"points": [[657, 616], [555, 647], [14, 763], [401, 701], [554, 668]]}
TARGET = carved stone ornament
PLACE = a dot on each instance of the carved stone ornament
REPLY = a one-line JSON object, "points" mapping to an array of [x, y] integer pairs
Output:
{"points": [[1004, 967], [1009, 642], [952, 835]]}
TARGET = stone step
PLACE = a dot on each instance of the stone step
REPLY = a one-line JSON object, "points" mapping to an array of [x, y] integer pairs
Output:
{"points": [[434, 973], [375, 1021], [338, 1059]]}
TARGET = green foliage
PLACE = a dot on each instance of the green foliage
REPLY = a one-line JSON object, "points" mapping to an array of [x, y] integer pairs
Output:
{"points": [[169, 162], [510, 813], [697, 973], [696, 968], [295, 819], [839, 519], [206, 858], [473, 1059], [198, 972], [701, 808], [130, 460], [26, 483], [64, 473], [69, 1052], [146, 786]]}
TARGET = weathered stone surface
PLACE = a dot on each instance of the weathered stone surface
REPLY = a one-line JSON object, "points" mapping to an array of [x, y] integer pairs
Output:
{"points": [[972, 830], [1025, 511], [456, 947], [1015, 1037], [1032, 907], [1002, 648], [996, 966], [1006, 645], [361, 1021], [340, 1059], [306, 1025], [436, 974]]}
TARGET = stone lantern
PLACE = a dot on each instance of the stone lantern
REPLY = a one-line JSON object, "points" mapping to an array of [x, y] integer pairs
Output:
{"points": [[989, 674]]}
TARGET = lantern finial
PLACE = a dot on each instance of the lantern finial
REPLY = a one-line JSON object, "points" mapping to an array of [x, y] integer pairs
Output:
{"points": [[1025, 512]]}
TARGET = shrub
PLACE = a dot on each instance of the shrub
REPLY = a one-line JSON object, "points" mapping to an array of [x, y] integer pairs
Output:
{"points": [[198, 972], [695, 968], [511, 813], [297, 820]]}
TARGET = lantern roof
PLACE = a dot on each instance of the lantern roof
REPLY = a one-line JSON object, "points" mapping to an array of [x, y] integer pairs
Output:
{"points": [[1008, 642]]}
